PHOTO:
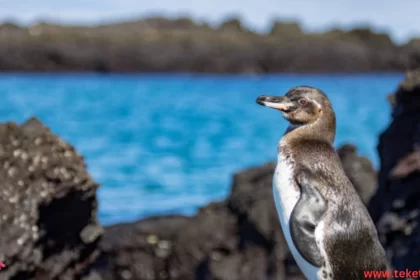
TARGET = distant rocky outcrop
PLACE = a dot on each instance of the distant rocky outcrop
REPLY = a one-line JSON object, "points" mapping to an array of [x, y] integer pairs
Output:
{"points": [[48, 224], [396, 206], [182, 45]]}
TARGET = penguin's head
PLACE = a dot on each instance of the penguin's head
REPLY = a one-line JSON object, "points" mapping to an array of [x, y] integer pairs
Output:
{"points": [[300, 106]]}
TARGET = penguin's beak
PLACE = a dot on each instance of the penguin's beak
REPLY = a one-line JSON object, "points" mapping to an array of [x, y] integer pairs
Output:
{"points": [[281, 103]]}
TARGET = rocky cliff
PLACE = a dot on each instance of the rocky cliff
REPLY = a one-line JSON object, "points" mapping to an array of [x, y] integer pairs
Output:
{"points": [[181, 45], [396, 206]]}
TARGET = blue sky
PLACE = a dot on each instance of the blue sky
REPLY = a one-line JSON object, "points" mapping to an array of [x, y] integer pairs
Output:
{"points": [[400, 17]]}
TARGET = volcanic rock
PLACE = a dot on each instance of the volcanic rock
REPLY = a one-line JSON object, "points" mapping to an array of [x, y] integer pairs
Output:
{"points": [[395, 207], [48, 224]]}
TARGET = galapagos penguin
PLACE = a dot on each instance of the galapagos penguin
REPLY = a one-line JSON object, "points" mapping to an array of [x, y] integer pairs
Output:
{"points": [[327, 227]]}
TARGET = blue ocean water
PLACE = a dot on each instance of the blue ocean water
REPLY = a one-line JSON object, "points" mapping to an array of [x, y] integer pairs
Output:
{"points": [[170, 143]]}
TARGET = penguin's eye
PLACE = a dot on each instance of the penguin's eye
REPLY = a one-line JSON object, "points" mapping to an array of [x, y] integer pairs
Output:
{"points": [[303, 102]]}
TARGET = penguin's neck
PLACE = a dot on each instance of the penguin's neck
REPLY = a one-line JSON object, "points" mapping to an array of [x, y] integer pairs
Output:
{"points": [[323, 129]]}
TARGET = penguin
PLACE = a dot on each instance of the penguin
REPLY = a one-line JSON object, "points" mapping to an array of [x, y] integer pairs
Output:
{"points": [[325, 223]]}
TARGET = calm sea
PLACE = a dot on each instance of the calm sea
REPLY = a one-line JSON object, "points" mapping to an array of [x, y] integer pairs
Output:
{"points": [[169, 143]]}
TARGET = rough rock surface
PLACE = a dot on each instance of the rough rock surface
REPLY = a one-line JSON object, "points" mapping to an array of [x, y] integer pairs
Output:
{"points": [[181, 45], [48, 224], [395, 207], [239, 238]]}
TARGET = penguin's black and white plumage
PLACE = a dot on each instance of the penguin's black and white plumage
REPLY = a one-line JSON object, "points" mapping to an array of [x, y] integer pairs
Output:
{"points": [[327, 227]]}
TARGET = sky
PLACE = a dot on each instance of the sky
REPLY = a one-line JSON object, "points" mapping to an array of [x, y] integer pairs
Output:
{"points": [[398, 17]]}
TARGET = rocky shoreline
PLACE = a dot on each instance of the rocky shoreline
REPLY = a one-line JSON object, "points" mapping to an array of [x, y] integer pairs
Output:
{"points": [[159, 45], [49, 227]]}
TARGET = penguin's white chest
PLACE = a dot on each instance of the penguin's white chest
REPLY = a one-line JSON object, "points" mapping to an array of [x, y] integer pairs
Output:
{"points": [[285, 190], [286, 195]]}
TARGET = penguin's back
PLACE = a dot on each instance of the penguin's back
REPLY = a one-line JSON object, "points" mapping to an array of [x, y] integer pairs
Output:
{"points": [[346, 236], [351, 243]]}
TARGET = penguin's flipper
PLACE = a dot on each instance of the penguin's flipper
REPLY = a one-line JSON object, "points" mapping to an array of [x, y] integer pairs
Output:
{"points": [[306, 215]]}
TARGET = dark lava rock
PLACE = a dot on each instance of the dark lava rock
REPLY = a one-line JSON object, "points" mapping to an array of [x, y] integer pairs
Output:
{"points": [[140, 250], [396, 206], [48, 224], [239, 238]]}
